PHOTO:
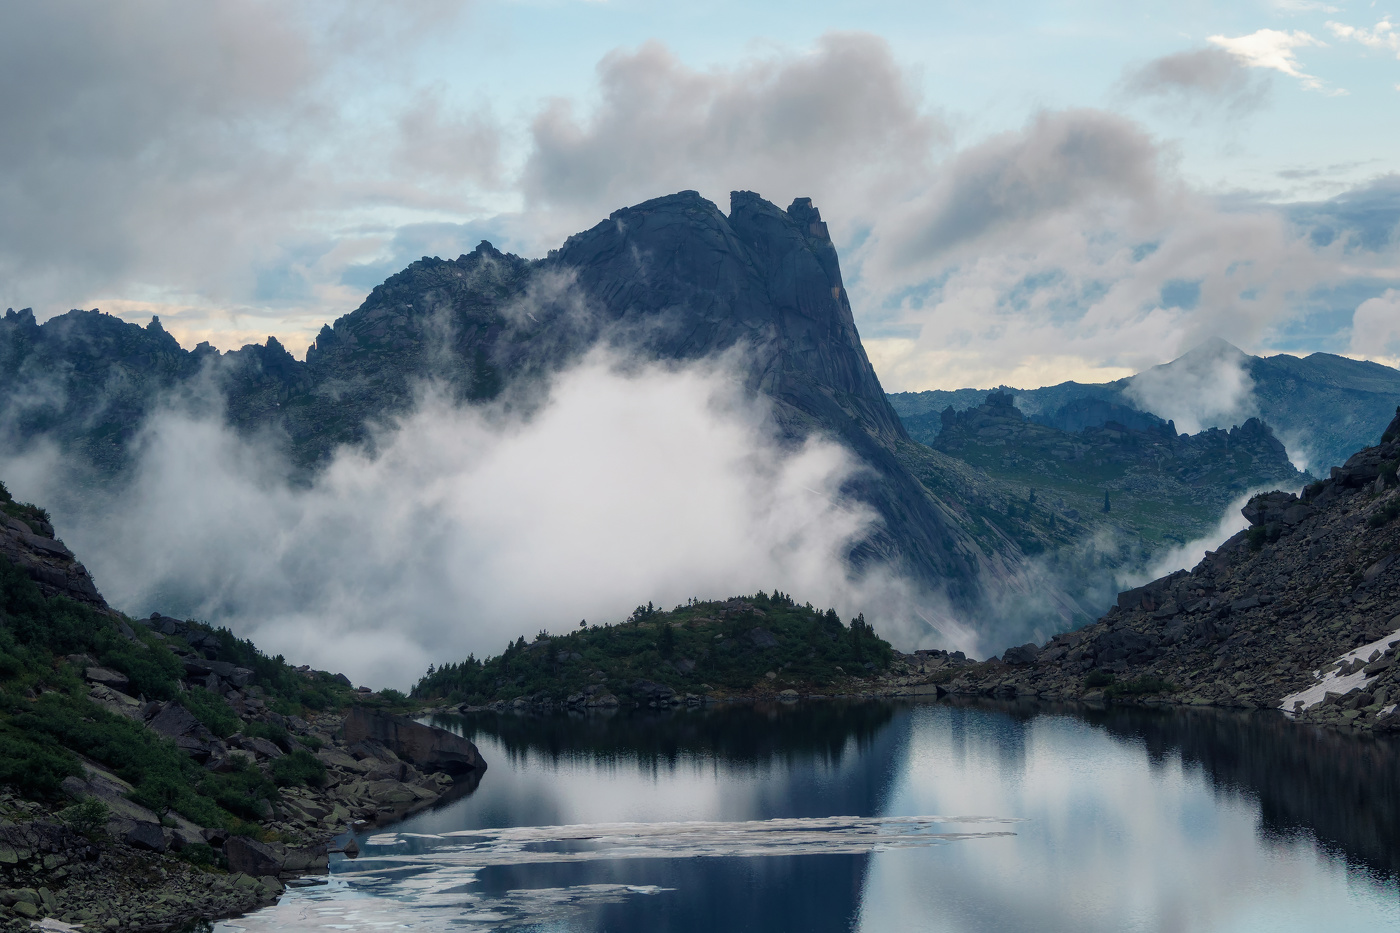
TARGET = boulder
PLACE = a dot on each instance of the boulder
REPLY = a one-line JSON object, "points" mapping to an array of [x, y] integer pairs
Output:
{"points": [[253, 858], [427, 747], [1025, 654], [108, 678], [761, 638], [145, 836], [179, 724]]}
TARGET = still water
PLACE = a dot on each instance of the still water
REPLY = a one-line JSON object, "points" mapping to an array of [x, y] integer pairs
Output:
{"points": [[886, 817]]}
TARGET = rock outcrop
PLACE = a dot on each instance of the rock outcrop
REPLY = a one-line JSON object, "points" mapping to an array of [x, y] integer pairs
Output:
{"points": [[428, 747], [28, 542]]}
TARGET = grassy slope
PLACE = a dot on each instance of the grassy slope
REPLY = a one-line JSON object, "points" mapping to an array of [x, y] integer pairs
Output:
{"points": [[47, 719], [726, 642]]}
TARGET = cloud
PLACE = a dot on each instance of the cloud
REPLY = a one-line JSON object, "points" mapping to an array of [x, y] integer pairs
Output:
{"points": [[1059, 162], [1272, 49], [1028, 260], [1201, 77], [172, 155], [1381, 37], [469, 527], [450, 145], [841, 123], [1375, 329], [1208, 387]]}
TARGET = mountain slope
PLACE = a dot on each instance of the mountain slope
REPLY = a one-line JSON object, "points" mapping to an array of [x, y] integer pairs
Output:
{"points": [[1161, 486], [1298, 612], [1323, 406]]}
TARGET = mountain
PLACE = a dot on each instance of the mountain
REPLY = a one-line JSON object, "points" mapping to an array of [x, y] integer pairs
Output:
{"points": [[1296, 612], [1323, 406], [671, 279], [1162, 487]]}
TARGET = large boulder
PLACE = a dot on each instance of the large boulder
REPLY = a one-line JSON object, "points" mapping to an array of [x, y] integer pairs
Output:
{"points": [[254, 858], [180, 725], [427, 747]]}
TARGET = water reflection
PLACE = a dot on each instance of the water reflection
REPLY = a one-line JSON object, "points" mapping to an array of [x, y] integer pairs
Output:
{"points": [[1136, 820]]}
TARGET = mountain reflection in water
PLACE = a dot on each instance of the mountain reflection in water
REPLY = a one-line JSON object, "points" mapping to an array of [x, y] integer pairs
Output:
{"points": [[1190, 820]]}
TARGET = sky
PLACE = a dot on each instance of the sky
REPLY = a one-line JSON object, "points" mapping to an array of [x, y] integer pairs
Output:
{"points": [[1020, 193]]}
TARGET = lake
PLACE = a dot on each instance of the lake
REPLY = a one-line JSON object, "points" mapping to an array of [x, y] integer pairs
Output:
{"points": [[886, 817]]}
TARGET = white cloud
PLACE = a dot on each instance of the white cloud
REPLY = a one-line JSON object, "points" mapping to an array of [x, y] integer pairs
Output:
{"points": [[1381, 36], [1070, 250], [1198, 78], [1209, 387], [470, 528], [1375, 329], [1273, 49]]}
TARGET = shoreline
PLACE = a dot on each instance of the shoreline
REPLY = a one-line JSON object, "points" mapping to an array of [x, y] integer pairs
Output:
{"points": [[139, 881]]}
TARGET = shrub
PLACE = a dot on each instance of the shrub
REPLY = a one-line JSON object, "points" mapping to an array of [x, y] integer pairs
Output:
{"points": [[35, 769], [212, 710], [1140, 686], [1097, 679], [1259, 535], [88, 816], [198, 853], [240, 791], [1385, 514], [298, 769]]}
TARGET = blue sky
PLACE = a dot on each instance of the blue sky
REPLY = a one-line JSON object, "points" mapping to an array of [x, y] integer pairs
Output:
{"points": [[1021, 193]]}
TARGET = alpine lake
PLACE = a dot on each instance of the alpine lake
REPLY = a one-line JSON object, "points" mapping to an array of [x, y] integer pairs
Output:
{"points": [[885, 816]]}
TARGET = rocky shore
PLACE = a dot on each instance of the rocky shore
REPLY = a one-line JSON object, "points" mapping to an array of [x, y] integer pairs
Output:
{"points": [[83, 846], [140, 871]]}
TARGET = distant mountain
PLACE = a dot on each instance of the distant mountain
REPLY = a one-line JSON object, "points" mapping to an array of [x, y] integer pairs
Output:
{"points": [[1323, 407], [1297, 613], [1148, 482]]}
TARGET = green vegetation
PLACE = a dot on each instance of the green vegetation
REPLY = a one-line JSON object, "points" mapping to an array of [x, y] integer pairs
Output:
{"points": [[1113, 687], [730, 645], [298, 769], [1098, 679], [88, 817], [1385, 514], [1139, 687], [1260, 535], [47, 718]]}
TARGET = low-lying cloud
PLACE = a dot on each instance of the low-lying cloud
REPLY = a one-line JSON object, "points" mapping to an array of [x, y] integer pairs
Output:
{"points": [[468, 528], [1210, 387]]}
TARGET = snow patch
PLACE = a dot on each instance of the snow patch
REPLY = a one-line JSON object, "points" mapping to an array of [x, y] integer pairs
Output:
{"points": [[1332, 682]]}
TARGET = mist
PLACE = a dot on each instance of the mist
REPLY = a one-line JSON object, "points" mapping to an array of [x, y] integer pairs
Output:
{"points": [[470, 526], [1210, 387]]}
